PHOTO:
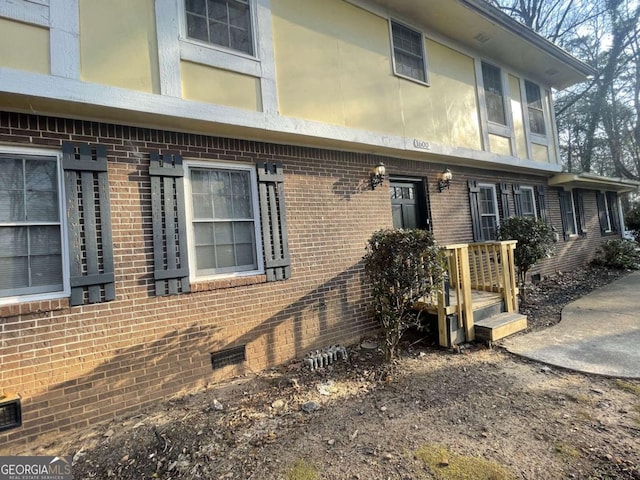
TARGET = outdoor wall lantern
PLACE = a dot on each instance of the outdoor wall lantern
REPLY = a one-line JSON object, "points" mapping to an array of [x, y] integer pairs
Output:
{"points": [[377, 175], [444, 180]]}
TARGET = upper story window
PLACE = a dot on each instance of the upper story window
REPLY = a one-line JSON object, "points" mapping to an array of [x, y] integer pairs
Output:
{"points": [[226, 23], [534, 107], [493, 94], [408, 52], [224, 219], [30, 225]]}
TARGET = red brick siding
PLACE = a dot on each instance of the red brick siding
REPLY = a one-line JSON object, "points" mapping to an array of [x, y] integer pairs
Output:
{"points": [[80, 365]]}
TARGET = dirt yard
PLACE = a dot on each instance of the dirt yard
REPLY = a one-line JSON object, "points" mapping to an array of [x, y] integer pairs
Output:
{"points": [[481, 413]]}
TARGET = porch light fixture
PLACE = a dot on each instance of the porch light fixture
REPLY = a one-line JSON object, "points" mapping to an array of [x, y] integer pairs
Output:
{"points": [[444, 180], [377, 175]]}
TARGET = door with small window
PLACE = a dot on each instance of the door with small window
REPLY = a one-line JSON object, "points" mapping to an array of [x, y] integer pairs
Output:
{"points": [[409, 207]]}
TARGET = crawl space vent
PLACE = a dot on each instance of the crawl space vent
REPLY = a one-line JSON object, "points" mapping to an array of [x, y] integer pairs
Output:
{"points": [[228, 356], [10, 412]]}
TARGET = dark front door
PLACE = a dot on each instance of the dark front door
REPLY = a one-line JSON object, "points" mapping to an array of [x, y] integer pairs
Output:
{"points": [[409, 204]]}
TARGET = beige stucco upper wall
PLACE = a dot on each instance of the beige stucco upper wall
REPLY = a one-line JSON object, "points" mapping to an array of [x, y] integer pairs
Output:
{"points": [[319, 66], [118, 44], [344, 76], [24, 47]]}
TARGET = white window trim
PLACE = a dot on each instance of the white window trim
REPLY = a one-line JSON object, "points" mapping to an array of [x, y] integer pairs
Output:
{"points": [[66, 287], [495, 206], [425, 64], [532, 137], [189, 164], [219, 56], [533, 199], [489, 127]]}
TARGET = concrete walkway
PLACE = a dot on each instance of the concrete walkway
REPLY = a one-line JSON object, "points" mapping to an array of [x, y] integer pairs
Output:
{"points": [[599, 333]]}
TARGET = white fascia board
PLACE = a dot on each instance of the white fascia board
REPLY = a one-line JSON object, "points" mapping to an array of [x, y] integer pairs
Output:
{"points": [[298, 131]]}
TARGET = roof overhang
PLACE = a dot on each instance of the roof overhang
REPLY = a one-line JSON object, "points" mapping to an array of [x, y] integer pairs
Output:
{"points": [[593, 182], [495, 36]]}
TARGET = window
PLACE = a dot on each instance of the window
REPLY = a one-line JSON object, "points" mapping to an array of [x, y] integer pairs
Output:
{"points": [[572, 213], [528, 202], [223, 220], [493, 94], [31, 242], [408, 52], [608, 211], [534, 107], [488, 207], [226, 23]]}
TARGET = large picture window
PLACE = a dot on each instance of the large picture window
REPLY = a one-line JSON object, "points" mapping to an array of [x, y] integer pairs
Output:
{"points": [[223, 220], [31, 259], [226, 23]]}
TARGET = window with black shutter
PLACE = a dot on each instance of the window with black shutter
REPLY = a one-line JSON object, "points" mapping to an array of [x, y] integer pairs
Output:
{"points": [[214, 220], [484, 211], [608, 212], [572, 213]]}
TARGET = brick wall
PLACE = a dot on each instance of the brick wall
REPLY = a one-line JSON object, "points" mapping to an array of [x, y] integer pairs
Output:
{"points": [[74, 366]]}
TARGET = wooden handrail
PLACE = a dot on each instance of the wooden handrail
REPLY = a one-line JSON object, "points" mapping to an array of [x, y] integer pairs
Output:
{"points": [[486, 266]]}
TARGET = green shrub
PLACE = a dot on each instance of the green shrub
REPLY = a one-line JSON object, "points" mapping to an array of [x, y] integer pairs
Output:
{"points": [[618, 254], [535, 242], [632, 220], [403, 266]]}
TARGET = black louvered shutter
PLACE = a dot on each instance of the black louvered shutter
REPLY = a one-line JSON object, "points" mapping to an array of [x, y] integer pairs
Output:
{"points": [[475, 209], [602, 211], [581, 220], [88, 209], [170, 250], [504, 200], [612, 200], [273, 219], [542, 203], [517, 199]]}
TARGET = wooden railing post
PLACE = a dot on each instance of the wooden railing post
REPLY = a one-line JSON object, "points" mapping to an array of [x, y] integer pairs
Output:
{"points": [[467, 301]]}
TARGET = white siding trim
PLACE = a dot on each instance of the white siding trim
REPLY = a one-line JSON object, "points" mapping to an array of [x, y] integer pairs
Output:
{"points": [[264, 36], [256, 125], [168, 32], [25, 11], [214, 57], [553, 130], [64, 38]]}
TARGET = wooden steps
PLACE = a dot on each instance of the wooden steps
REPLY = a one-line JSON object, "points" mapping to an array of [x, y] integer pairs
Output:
{"points": [[499, 326]]}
